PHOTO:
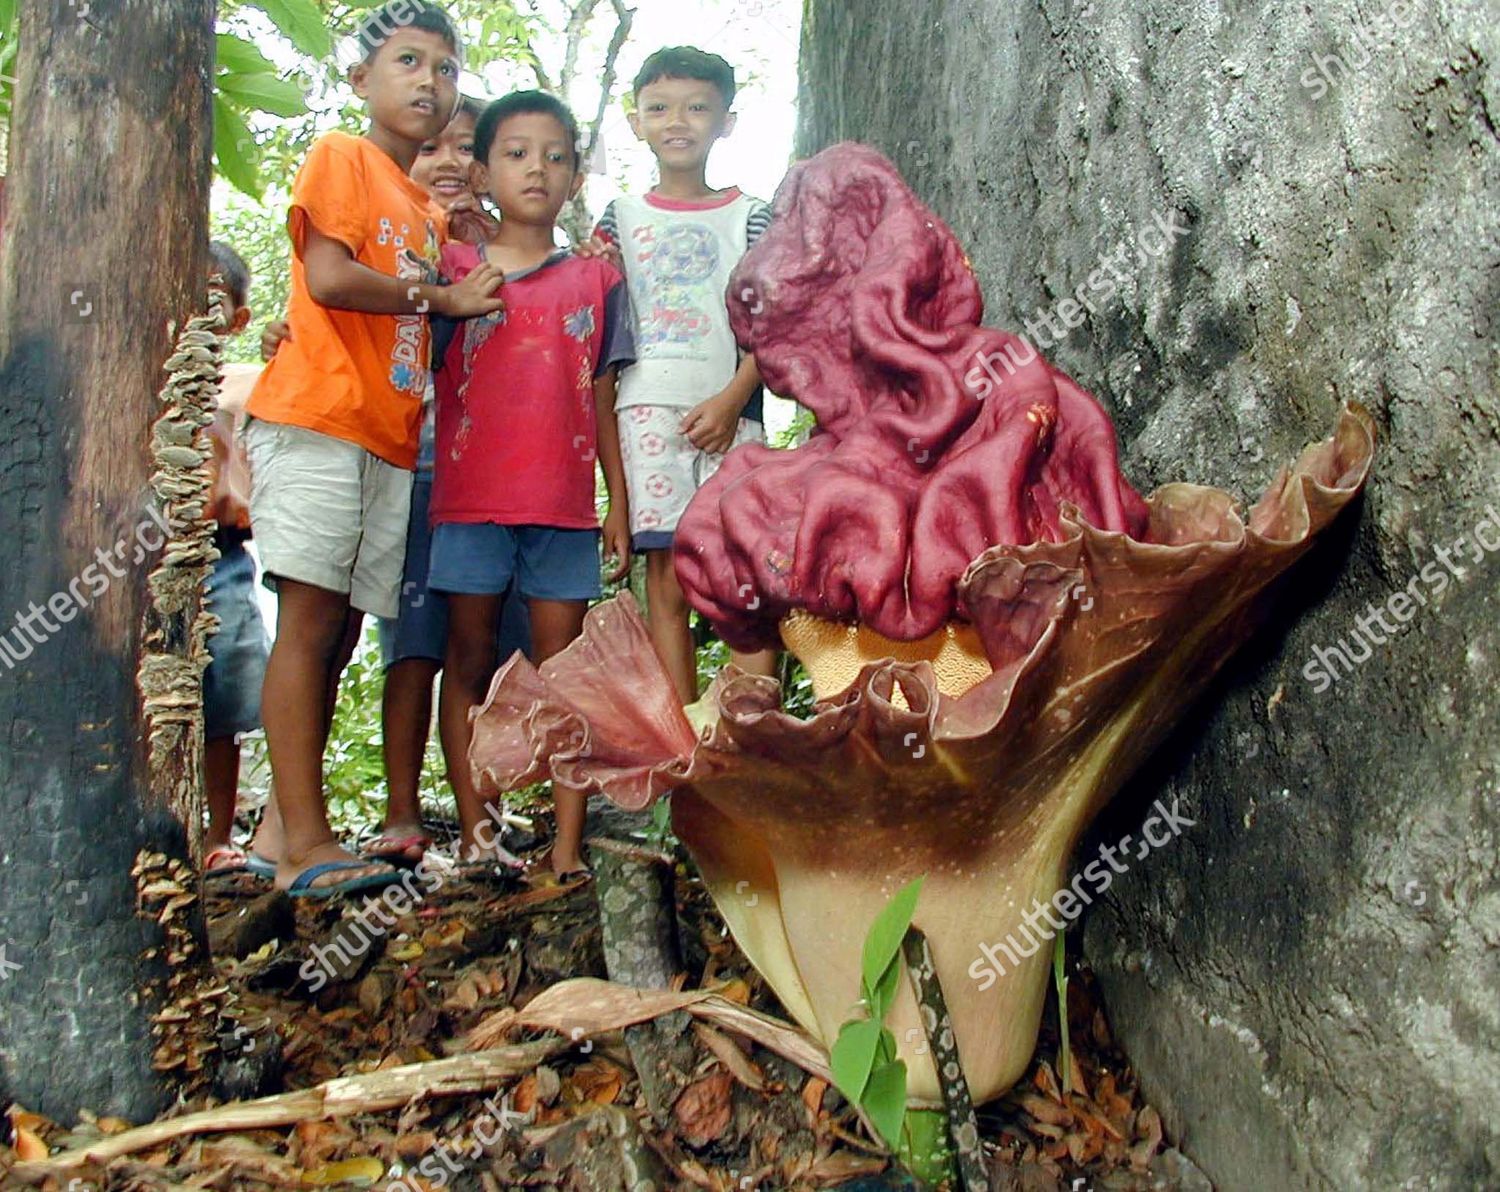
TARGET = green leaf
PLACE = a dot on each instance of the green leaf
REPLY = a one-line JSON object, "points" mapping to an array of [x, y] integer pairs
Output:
{"points": [[264, 92], [238, 55], [885, 1101], [882, 995], [235, 149], [884, 939], [7, 18], [853, 1054], [302, 24], [1060, 981]]}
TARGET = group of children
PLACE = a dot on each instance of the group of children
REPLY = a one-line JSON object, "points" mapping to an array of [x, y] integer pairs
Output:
{"points": [[457, 503]]}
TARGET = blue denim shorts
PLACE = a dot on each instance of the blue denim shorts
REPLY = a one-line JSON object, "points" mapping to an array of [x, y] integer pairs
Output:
{"points": [[238, 649], [544, 562], [420, 628]]}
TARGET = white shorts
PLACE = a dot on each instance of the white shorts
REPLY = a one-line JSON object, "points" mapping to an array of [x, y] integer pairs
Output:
{"points": [[663, 470], [326, 512]]}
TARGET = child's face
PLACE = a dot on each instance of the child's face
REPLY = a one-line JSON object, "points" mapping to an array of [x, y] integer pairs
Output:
{"points": [[531, 171], [410, 85], [442, 165], [680, 119], [237, 317]]}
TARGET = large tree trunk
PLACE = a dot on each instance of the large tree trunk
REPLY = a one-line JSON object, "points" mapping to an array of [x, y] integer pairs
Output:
{"points": [[1307, 979], [104, 258]]}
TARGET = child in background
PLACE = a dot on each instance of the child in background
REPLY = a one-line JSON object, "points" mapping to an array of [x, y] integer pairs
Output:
{"points": [[525, 405], [691, 395], [335, 418], [239, 647]]}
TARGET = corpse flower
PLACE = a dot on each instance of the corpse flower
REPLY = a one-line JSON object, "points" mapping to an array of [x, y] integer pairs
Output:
{"points": [[999, 629]]}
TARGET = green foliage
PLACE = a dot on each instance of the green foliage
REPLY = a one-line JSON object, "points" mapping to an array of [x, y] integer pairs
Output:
{"points": [[301, 22], [863, 1058], [796, 433], [354, 762], [354, 765], [9, 23], [1060, 983]]}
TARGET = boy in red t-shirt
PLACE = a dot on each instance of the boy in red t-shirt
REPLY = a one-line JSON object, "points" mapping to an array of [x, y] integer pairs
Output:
{"points": [[525, 405], [332, 436]]}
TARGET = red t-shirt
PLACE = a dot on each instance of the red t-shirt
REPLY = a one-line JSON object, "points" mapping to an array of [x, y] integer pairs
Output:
{"points": [[516, 435]]}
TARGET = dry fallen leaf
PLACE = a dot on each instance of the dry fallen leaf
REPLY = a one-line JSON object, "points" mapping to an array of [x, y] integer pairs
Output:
{"points": [[701, 1113], [359, 1172], [416, 1144], [598, 1082], [841, 1166], [812, 1096], [24, 1119], [728, 1053], [1044, 1110], [28, 1146]]}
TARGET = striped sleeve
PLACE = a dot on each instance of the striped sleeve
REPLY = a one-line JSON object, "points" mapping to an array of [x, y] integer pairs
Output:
{"points": [[608, 227], [757, 221]]}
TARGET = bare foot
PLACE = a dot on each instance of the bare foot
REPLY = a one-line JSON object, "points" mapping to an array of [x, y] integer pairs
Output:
{"points": [[402, 843], [269, 841], [567, 865]]}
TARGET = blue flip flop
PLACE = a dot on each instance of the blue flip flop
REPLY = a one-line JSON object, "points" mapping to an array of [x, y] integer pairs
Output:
{"points": [[259, 866], [302, 886]]}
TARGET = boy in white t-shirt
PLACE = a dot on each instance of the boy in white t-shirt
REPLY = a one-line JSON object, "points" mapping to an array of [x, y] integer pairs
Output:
{"points": [[691, 395]]}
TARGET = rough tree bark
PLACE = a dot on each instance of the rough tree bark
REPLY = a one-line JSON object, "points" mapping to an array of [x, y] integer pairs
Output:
{"points": [[106, 226], [1306, 979]]}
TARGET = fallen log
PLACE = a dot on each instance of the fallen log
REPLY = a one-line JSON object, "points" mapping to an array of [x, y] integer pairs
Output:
{"points": [[370, 1092], [638, 918]]}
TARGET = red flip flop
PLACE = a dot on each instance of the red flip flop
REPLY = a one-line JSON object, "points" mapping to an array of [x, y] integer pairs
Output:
{"points": [[224, 860], [393, 847]]}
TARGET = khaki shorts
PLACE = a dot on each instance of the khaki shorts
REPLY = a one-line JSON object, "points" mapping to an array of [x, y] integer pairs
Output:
{"points": [[326, 512]]}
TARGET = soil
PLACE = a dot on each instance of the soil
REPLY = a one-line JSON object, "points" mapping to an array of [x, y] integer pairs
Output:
{"points": [[319, 991]]}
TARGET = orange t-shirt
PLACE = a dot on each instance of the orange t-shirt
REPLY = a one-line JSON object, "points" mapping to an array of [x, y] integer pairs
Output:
{"points": [[346, 373]]}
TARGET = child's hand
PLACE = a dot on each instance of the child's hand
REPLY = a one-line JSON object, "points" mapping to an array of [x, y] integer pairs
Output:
{"points": [[271, 336], [470, 222], [617, 541], [598, 246], [477, 294], [710, 425]]}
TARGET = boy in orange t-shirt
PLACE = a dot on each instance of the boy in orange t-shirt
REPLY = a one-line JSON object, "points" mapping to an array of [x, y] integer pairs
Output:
{"points": [[332, 436]]}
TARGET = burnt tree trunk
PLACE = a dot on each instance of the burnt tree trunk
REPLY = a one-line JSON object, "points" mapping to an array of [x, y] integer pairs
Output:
{"points": [[103, 256]]}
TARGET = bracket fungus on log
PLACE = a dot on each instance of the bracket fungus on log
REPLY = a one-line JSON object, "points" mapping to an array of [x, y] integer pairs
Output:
{"points": [[998, 627]]}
